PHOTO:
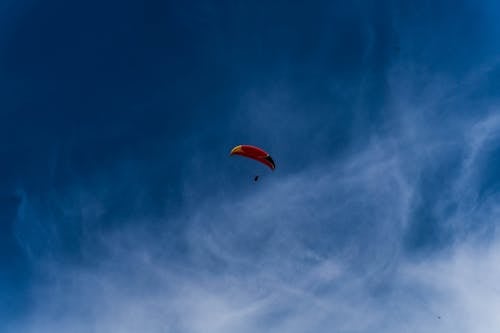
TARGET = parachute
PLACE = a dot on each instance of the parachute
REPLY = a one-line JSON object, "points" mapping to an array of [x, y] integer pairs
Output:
{"points": [[254, 153]]}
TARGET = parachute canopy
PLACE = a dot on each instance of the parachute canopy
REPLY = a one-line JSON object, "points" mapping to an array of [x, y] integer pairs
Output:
{"points": [[254, 153]]}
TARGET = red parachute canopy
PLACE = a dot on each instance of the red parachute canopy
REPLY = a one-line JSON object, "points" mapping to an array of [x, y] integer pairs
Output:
{"points": [[254, 153]]}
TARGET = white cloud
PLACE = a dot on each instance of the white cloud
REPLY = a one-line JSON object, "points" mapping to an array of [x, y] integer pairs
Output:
{"points": [[319, 250]]}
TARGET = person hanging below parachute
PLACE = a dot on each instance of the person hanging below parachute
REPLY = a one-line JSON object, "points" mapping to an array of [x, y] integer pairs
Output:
{"points": [[256, 154]]}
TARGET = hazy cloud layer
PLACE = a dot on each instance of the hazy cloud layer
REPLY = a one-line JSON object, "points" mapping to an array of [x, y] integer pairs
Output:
{"points": [[322, 249], [381, 216]]}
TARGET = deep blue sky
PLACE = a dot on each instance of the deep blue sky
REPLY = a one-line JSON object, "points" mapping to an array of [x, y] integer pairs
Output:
{"points": [[116, 119]]}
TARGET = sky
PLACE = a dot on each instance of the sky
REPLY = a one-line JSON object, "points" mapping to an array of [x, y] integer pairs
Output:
{"points": [[121, 211]]}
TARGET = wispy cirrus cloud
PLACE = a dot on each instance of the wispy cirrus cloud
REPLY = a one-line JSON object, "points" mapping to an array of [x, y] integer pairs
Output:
{"points": [[318, 250]]}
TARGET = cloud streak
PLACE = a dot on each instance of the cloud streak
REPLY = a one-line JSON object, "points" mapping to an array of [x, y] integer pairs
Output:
{"points": [[316, 250], [398, 233]]}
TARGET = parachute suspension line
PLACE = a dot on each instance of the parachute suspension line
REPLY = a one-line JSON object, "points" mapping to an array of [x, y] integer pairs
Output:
{"points": [[256, 154]]}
